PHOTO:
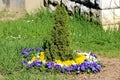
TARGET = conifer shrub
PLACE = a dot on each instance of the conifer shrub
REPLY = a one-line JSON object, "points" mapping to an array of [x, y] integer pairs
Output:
{"points": [[59, 46]]}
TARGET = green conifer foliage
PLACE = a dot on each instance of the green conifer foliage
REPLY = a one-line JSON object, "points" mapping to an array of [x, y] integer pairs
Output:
{"points": [[59, 47]]}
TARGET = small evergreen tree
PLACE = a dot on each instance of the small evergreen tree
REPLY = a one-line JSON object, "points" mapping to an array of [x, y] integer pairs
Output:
{"points": [[59, 48]]}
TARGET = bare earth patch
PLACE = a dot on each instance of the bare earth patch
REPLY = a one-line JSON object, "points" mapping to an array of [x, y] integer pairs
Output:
{"points": [[1, 76], [5, 16], [111, 71]]}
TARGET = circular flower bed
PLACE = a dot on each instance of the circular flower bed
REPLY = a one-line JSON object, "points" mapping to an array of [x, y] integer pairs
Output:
{"points": [[84, 62]]}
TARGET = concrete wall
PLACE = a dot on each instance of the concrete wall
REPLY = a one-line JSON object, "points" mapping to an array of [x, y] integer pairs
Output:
{"points": [[110, 16], [110, 13], [2, 5], [31, 5], [17, 5], [108, 4], [21, 5]]}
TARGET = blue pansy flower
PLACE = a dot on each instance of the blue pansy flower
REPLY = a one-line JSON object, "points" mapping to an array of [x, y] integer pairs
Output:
{"points": [[25, 52], [57, 66], [49, 65], [37, 63]]}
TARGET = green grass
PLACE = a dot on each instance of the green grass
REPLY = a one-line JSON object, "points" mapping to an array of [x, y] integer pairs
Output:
{"points": [[33, 30], [32, 76], [88, 36]]}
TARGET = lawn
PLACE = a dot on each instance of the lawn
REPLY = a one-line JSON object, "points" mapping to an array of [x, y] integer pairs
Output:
{"points": [[32, 31]]}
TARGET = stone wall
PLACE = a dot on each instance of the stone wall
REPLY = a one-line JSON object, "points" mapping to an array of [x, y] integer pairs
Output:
{"points": [[106, 11], [110, 13]]}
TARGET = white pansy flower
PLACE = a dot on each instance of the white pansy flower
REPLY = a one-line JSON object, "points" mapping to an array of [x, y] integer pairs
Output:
{"points": [[29, 62]]}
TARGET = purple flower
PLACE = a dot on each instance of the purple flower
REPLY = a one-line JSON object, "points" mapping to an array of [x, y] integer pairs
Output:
{"points": [[86, 63], [63, 69], [37, 63], [95, 67], [68, 68], [30, 65], [25, 52], [78, 70], [73, 67], [83, 67], [49, 65], [57, 66], [98, 67], [30, 49], [24, 62], [39, 49], [93, 55]]}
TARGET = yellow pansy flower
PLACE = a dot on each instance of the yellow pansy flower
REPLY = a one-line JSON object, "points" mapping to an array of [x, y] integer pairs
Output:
{"points": [[42, 56], [80, 55], [68, 62], [33, 59], [80, 59], [58, 61]]}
